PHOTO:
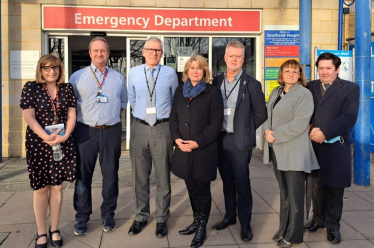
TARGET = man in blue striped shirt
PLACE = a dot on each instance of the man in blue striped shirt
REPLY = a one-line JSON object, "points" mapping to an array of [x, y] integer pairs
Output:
{"points": [[101, 96], [151, 91]]}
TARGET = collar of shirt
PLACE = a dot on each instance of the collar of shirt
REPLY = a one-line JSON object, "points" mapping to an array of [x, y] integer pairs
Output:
{"points": [[236, 77], [96, 70], [156, 68]]}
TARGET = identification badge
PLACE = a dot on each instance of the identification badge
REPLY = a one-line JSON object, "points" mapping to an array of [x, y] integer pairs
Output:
{"points": [[151, 110], [227, 111], [101, 99]]}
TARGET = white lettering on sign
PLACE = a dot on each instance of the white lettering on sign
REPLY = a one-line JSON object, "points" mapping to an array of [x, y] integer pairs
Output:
{"points": [[112, 21], [196, 21]]}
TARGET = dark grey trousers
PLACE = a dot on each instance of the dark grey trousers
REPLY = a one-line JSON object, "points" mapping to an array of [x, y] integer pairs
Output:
{"points": [[151, 144], [327, 205], [292, 192]]}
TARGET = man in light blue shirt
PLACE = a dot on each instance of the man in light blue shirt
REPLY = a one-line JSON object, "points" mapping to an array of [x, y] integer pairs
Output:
{"points": [[101, 96], [151, 89]]}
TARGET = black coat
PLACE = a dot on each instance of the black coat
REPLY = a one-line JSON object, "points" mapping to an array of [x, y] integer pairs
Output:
{"points": [[199, 120], [250, 111], [335, 113]]}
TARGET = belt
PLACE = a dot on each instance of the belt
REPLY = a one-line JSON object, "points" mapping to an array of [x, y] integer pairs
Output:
{"points": [[157, 122], [101, 127]]}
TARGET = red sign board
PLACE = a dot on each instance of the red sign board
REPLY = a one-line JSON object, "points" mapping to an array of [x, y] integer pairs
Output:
{"points": [[281, 51], [156, 20]]}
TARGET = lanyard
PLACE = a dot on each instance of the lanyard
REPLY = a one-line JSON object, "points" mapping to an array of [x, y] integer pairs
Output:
{"points": [[100, 85], [54, 107], [154, 85], [224, 85]]}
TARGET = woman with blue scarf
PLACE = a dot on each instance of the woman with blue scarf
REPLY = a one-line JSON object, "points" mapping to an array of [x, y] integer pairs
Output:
{"points": [[195, 120]]}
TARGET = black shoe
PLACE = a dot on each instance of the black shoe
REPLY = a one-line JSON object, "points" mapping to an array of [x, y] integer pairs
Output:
{"points": [[220, 225], [284, 244], [161, 230], [313, 226], [333, 235], [200, 235], [80, 228], [55, 243], [246, 233], [109, 224], [40, 245], [190, 229], [137, 227], [277, 238]]}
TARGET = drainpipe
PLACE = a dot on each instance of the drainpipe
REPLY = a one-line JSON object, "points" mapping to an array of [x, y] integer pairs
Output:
{"points": [[362, 78], [340, 27], [305, 24]]}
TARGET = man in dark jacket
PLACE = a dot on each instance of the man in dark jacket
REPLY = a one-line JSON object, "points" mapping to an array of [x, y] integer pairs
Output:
{"points": [[244, 112], [336, 104]]}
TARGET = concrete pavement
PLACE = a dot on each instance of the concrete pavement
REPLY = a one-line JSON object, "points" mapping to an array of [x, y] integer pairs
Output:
{"points": [[18, 228]]}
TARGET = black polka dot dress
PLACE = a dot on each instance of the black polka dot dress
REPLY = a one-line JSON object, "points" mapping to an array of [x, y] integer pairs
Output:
{"points": [[43, 170]]}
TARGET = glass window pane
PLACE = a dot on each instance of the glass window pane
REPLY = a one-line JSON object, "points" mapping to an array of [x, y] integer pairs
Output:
{"points": [[57, 46], [175, 48], [218, 52]]}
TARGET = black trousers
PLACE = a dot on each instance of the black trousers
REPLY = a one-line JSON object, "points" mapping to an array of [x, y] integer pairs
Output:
{"points": [[199, 192], [327, 205], [233, 166], [89, 143], [292, 192]]}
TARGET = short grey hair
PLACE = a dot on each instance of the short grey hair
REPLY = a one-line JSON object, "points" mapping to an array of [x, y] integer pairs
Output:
{"points": [[236, 44], [154, 39]]}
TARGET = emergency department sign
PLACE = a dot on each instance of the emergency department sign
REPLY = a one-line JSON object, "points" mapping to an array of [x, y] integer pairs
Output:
{"points": [[155, 20]]}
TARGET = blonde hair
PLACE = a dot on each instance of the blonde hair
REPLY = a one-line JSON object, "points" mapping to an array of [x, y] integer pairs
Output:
{"points": [[203, 64], [294, 65], [51, 60]]}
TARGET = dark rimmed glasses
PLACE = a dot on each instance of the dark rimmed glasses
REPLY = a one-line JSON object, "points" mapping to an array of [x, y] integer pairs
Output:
{"points": [[49, 68], [152, 50]]}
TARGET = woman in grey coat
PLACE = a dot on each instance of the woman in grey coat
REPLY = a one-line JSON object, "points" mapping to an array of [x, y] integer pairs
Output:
{"points": [[288, 146]]}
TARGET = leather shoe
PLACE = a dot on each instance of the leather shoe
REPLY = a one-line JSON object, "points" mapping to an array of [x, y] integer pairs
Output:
{"points": [[333, 235], [161, 230], [220, 225], [246, 233], [284, 244], [137, 227], [313, 226], [277, 238]]}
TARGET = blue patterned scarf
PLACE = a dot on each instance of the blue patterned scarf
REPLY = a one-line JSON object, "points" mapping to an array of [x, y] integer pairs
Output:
{"points": [[190, 91]]}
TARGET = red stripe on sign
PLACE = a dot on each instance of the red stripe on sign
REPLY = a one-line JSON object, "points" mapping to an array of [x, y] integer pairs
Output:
{"points": [[90, 18]]}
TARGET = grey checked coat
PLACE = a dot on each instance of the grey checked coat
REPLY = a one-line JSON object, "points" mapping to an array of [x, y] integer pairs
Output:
{"points": [[289, 121]]}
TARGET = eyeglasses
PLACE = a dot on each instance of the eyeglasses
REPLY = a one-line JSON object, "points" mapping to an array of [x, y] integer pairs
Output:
{"points": [[54, 68], [151, 50], [291, 72]]}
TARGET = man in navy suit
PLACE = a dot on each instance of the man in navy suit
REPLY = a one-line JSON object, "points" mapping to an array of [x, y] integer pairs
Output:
{"points": [[244, 112], [336, 104]]}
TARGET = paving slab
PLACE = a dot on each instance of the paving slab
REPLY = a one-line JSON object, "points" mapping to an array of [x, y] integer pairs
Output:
{"points": [[343, 244], [354, 202], [273, 200], [5, 196], [16, 213], [19, 235], [362, 221], [265, 185], [261, 171], [367, 195]]}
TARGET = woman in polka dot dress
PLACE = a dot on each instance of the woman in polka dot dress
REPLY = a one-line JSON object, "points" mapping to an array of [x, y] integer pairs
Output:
{"points": [[48, 101]]}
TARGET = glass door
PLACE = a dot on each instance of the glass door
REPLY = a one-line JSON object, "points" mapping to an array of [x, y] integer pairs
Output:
{"points": [[134, 57]]}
